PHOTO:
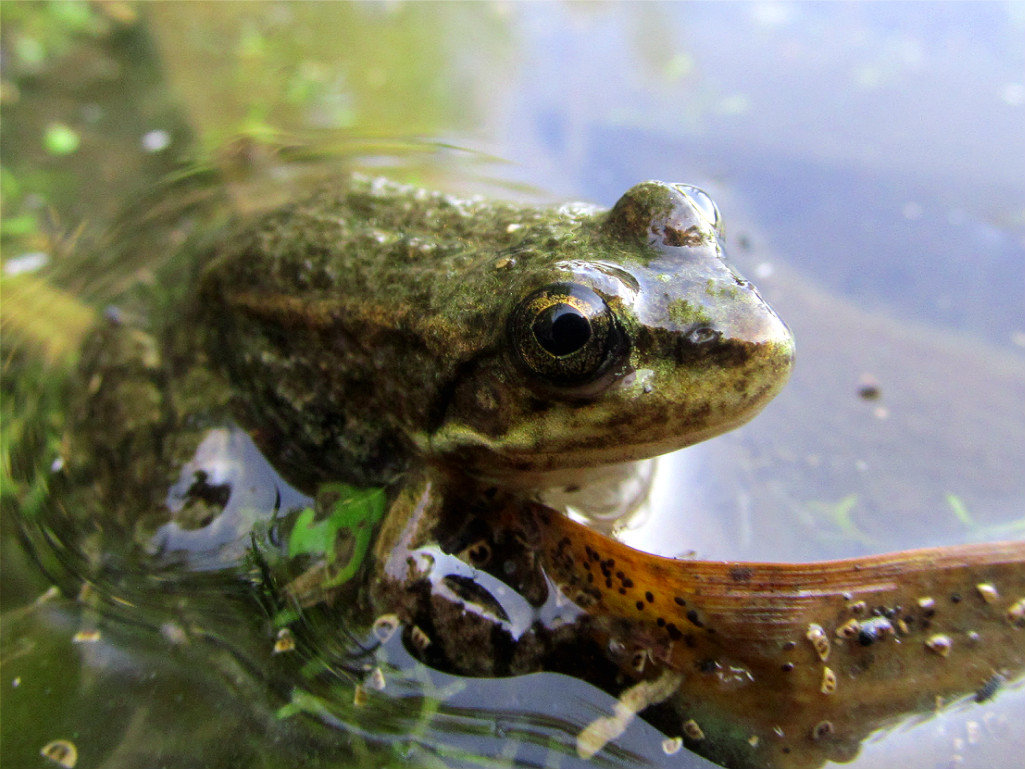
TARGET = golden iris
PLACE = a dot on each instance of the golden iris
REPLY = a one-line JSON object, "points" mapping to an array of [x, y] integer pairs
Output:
{"points": [[565, 334]]}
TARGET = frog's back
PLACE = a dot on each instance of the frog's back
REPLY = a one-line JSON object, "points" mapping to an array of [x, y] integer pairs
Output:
{"points": [[345, 320]]}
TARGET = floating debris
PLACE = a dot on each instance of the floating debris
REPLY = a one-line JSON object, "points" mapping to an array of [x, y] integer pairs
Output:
{"points": [[828, 681], [385, 627], [60, 139], [988, 592], [1016, 613], [989, 689], [419, 638], [693, 731], [61, 752], [868, 388], [51, 593], [849, 629], [874, 629], [87, 636], [86, 593], [602, 730], [672, 745], [376, 679], [284, 642], [478, 554], [359, 696], [817, 636], [822, 729], [32, 261], [940, 644], [927, 603]]}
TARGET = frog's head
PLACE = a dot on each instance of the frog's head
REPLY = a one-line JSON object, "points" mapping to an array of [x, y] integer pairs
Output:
{"points": [[641, 341]]}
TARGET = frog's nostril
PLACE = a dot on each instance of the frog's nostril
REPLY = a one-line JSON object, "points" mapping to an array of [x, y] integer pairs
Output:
{"points": [[676, 237], [696, 343], [703, 335]]}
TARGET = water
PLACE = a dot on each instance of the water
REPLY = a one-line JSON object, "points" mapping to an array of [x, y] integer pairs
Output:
{"points": [[869, 161]]}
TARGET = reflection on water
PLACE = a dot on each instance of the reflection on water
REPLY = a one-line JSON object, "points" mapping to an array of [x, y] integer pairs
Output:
{"points": [[235, 489], [806, 146], [195, 630]]}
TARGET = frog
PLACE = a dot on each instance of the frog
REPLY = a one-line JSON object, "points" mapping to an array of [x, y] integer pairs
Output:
{"points": [[463, 356], [507, 342]]}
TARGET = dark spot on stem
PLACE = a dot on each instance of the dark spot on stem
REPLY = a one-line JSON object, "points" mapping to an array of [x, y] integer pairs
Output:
{"points": [[740, 574], [990, 688]]}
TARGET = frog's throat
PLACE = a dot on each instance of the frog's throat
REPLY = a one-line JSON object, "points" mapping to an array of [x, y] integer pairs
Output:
{"points": [[516, 461]]}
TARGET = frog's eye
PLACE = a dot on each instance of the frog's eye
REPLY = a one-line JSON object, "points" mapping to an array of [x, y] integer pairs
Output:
{"points": [[564, 334]]}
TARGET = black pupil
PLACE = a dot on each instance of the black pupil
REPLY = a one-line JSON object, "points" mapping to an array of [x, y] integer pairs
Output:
{"points": [[561, 329]]}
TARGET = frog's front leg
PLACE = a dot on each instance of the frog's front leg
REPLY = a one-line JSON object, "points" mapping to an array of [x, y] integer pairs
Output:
{"points": [[468, 592]]}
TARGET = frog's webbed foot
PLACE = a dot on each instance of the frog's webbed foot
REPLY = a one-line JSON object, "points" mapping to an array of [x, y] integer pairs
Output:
{"points": [[793, 665]]}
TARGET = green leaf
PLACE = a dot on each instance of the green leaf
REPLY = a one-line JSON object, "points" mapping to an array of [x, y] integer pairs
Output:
{"points": [[354, 512]]}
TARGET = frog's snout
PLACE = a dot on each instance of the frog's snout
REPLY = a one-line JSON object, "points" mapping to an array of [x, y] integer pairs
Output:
{"points": [[767, 344]]}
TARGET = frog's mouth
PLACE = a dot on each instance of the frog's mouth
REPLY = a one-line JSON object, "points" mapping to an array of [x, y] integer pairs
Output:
{"points": [[533, 442]]}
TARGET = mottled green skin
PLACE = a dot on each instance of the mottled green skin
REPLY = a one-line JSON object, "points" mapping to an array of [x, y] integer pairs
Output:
{"points": [[368, 328]]}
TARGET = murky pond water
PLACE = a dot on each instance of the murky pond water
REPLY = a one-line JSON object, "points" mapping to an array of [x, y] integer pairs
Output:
{"points": [[870, 164]]}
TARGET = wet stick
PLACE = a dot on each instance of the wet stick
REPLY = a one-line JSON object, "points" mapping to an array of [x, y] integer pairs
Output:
{"points": [[790, 665]]}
